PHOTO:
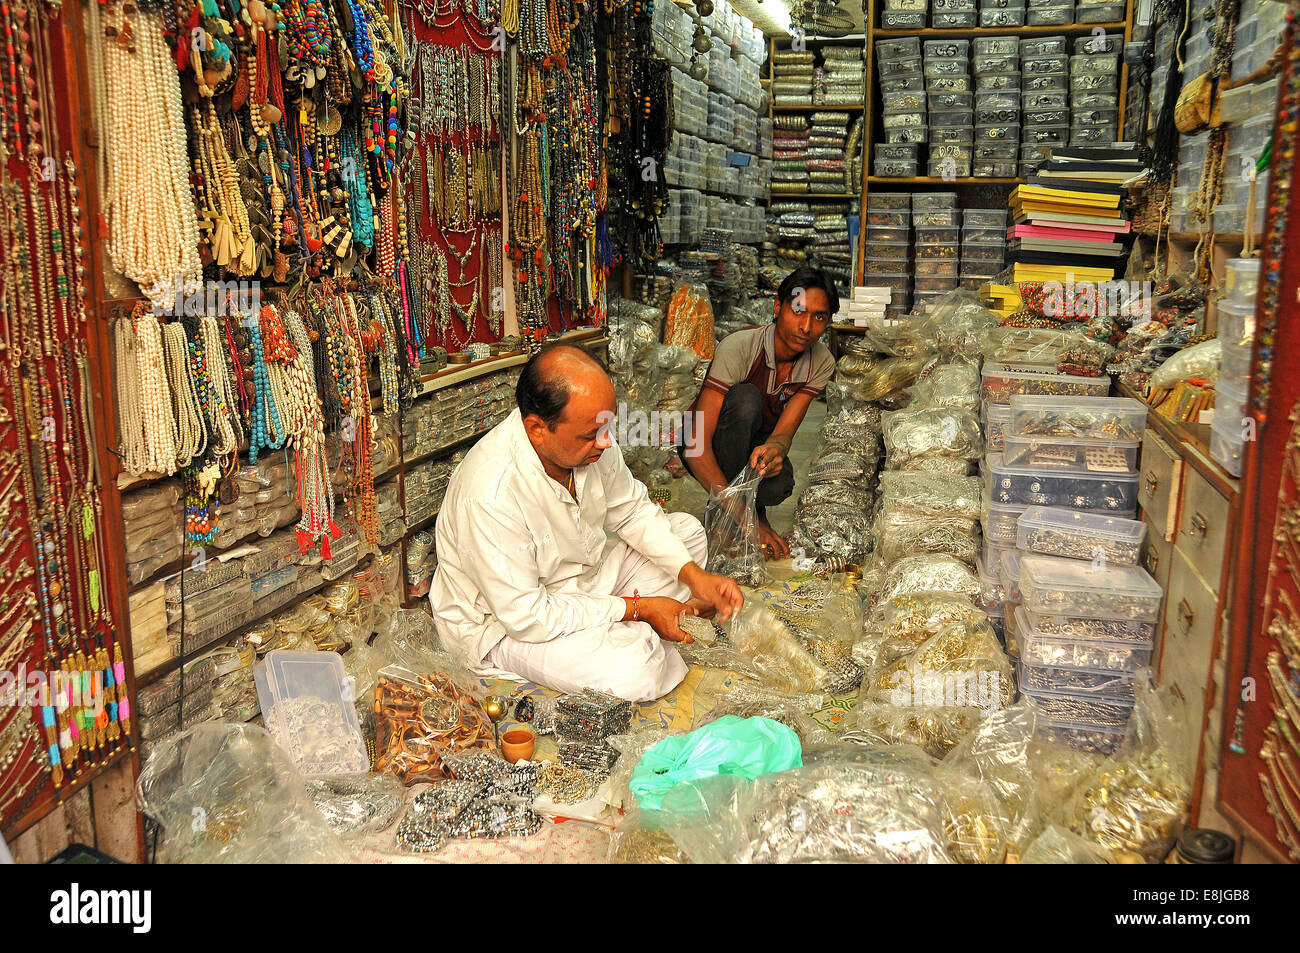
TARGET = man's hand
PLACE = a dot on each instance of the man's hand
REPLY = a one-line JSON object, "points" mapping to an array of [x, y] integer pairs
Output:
{"points": [[773, 543], [661, 614], [711, 589], [767, 459]]}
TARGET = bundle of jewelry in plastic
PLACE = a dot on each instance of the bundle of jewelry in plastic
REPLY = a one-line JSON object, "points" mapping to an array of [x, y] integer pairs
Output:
{"points": [[490, 769], [454, 808], [357, 805], [591, 716]]}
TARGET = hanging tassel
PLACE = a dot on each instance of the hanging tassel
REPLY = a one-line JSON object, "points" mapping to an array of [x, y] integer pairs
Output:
{"points": [[304, 542], [325, 547]]}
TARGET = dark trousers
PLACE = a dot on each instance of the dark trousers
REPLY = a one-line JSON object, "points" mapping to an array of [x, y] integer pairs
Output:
{"points": [[739, 431]]}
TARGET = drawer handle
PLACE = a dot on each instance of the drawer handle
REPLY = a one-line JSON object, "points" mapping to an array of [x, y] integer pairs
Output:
{"points": [[1151, 483], [1185, 614], [1151, 561], [1199, 526]]}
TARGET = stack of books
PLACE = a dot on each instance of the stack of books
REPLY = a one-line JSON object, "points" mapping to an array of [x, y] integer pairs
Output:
{"points": [[1069, 220]]}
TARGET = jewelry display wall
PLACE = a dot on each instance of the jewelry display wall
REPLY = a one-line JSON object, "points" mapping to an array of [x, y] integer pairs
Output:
{"points": [[1259, 785], [453, 181], [65, 712]]}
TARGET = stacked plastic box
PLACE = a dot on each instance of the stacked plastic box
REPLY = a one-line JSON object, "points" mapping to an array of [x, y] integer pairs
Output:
{"points": [[1001, 13], [1245, 143], [936, 224], [903, 105], [1099, 11], [887, 241], [1233, 426], [1050, 13], [1094, 90], [951, 113], [903, 14], [999, 386], [954, 14], [1044, 85], [983, 245], [997, 105], [1085, 623]]}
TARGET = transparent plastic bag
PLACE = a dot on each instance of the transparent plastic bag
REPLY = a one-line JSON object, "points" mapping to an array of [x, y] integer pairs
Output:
{"points": [[832, 530], [935, 730], [762, 647], [1199, 360], [948, 385], [418, 717], [832, 466], [892, 375], [359, 805], [961, 665], [1137, 803], [731, 527], [908, 621], [1056, 845], [932, 494], [638, 839], [931, 432], [225, 793], [928, 573], [900, 534], [877, 808], [997, 752], [837, 493]]}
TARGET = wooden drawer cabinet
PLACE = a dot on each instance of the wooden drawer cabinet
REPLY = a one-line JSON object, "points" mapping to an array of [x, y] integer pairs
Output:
{"points": [[1188, 644], [1156, 558], [1160, 474], [1203, 527]]}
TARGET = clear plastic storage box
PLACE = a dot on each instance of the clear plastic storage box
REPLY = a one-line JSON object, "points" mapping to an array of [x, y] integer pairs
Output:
{"points": [[1093, 655], [1113, 418], [1056, 531], [1051, 585], [1071, 453], [1103, 686], [1138, 634], [1000, 522], [307, 706], [999, 383]]}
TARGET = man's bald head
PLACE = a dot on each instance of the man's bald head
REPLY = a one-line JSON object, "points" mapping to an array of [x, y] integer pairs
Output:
{"points": [[556, 375]]}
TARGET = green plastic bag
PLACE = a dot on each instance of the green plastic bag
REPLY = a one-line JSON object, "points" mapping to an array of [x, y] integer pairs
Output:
{"points": [[730, 745]]}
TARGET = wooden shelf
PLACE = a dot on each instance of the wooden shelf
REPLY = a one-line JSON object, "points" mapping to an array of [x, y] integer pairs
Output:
{"points": [[171, 665], [816, 196], [1195, 439], [936, 32], [936, 180]]}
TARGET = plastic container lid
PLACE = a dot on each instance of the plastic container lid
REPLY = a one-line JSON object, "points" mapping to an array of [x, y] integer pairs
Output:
{"points": [[307, 707], [1087, 526], [1055, 586]]}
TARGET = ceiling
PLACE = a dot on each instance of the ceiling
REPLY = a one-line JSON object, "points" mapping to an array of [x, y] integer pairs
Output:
{"points": [[773, 16]]}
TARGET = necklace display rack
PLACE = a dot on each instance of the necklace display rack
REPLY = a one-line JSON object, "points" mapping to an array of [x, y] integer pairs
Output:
{"points": [[329, 149]]}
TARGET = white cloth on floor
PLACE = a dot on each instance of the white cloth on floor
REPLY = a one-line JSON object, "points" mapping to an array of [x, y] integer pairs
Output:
{"points": [[520, 560], [625, 659]]}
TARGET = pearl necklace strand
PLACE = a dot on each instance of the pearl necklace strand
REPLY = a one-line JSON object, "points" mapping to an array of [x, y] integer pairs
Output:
{"points": [[219, 392], [192, 435], [154, 230], [158, 425], [134, 452]]}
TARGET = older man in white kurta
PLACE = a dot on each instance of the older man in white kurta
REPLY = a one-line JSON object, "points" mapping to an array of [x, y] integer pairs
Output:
{"points": [[567, 576]]}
